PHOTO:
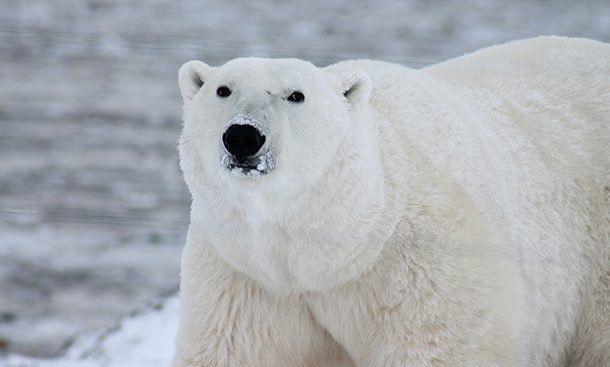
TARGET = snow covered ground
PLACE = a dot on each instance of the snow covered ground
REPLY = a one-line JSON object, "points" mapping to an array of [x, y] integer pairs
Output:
{"points": [[93, 210], [142, 339]]}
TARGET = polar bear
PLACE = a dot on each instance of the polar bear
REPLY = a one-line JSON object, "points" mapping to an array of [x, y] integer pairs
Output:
{"points": [[367, 214]]}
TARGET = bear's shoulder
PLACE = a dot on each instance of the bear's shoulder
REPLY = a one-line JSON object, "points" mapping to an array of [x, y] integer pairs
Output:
{"points": [[376, 69]]}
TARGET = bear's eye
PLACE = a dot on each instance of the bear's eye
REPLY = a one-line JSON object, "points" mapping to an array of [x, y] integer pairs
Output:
{"points": [[223, 91], [296, 97]]}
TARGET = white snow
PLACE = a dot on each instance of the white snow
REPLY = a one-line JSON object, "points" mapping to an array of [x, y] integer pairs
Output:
{"points": [[144, 339]]}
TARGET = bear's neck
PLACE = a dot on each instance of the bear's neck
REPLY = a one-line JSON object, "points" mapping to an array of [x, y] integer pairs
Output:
{"points": [[339, 226]]}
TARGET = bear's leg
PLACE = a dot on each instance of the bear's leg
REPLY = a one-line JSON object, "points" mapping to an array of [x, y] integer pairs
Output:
{"points": [[591, 346], [462, 312], [228, 320]]}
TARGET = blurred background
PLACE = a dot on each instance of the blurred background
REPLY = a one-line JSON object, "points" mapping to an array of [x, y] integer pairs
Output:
{"points": [[93, 209]]}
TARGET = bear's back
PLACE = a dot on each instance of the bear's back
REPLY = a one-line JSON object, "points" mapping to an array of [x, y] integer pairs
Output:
{"points": [[556, 89]]}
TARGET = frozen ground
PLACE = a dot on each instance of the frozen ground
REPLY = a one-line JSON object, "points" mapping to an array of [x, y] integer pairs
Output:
{"points": [[93, 210], [142, 339]]}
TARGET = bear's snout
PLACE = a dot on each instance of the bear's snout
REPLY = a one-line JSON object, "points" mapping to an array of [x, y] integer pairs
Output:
{"points": [[243, 141]]}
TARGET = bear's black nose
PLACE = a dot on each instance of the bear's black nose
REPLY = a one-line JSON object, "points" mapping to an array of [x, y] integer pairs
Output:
{"points": [[243, 141]]}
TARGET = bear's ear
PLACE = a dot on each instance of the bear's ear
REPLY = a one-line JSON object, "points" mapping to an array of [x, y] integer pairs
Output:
{"points": [[355, 86], [191, 77]]}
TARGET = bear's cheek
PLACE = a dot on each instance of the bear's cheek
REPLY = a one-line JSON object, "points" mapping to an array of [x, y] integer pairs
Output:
{"points": [[199, 152]]}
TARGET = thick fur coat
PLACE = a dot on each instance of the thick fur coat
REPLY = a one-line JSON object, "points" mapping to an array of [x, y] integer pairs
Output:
{"points": [[455, 215]]}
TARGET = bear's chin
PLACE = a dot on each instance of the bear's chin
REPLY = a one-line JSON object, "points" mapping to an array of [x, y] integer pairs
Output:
{"points": [[245, 170]]}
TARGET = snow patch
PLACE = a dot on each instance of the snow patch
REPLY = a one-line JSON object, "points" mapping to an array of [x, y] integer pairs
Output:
{"points": [[144, 339]]}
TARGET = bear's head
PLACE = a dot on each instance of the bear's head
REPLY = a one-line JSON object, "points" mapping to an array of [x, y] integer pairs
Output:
{"points": [[270, 120], [267, 145]]}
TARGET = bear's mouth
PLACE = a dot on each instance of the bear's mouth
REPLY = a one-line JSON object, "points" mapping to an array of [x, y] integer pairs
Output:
{"points": [[251, 167], [246, 169]]}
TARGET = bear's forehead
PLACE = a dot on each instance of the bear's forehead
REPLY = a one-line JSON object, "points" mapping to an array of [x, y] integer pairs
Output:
{"points": [[268, 69]]}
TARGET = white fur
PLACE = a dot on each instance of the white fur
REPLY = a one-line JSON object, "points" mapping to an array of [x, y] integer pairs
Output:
{"points": [[451, 216]]}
